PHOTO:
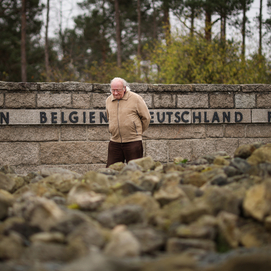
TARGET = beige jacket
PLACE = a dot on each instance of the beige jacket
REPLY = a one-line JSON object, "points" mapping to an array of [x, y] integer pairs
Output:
{"points": [[128, 118]]}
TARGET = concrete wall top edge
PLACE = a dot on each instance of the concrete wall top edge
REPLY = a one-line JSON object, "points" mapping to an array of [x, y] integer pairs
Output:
{"points": [[71, 86]]}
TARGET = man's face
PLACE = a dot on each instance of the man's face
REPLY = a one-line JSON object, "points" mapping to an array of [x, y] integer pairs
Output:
{"points": [[117, 89]]}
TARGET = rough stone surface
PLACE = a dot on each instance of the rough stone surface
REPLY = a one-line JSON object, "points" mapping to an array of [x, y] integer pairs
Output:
{"points": [[85, 87], [260, 115], [157, 149], [19, 153], [169, 87], [122, 243], [83, 196], [164, 101], [235, 130], [175, 245], [72, 133], [1, 100], [6, 183], [69, 86], [221, 101], [20, 100], [213, 87], [264, 100], [98, 100], [214, 131], [127, 214], [102, 87], [261, 155], [174, 132], [260, 130], [81, 100], [73, 153], [146, 163], [244, 141], [192, 101], [199, 147], [256, 87], [21, 86], [54, 100], [228, 145], [181, 148], [245, 100], [144, 216], [256, 203], [244, 151], [29, 133], [148, 99], [97, 133], [138, 87]]}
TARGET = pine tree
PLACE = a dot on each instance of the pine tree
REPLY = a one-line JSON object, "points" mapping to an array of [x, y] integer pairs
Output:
{"points": [[10, 40], [268, 20], [243, 6], [260, 27], [225, 9], [208, 7], [189, 9]]}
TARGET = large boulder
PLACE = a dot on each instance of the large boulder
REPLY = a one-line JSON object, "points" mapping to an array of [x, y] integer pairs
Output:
{"points": [[261, 155], [6, 183]]}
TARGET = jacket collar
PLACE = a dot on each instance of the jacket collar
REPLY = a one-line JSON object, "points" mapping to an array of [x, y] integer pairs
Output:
{"points": [[125, 97]]}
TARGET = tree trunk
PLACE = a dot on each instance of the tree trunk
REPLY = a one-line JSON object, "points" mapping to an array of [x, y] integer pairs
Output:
{"points": [[138, 28], [154, 21], [260, 28], [118, 32], [166, 21], [192, 22], [208, 26], [23, 42], [244, 31], [47, 67], [60, 33], [104, 47], [223, 28]]}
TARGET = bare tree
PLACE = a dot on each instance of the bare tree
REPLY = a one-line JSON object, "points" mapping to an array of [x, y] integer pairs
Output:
{"points": [[118, 32], [260, 27], [138, 28], [23, 42], [166, 21], [244, 31], [223, 20], [244, 6], [154, 20], [208, 25], [47, 66], [60, 32]]}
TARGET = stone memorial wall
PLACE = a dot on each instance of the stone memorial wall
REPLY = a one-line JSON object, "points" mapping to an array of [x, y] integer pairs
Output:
{"points": [[64, 124]]}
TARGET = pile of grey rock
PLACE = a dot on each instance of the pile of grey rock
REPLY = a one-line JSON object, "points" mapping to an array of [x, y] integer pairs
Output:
{"points": [[213, 213]]}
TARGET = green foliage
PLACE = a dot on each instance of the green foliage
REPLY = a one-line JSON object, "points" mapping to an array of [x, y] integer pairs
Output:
{"points": [[184, 60], [184, 161], [194, 60], [104, 73]]}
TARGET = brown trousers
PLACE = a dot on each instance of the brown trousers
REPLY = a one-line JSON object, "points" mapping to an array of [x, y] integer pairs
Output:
{"points": [[124, 152]]}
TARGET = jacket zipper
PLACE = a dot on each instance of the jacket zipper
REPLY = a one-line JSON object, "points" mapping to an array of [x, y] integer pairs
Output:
{"points": [[118, 122]]}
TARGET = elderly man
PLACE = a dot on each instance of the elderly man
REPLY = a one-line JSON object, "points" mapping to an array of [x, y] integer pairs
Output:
{"points": [[128, 118]]}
